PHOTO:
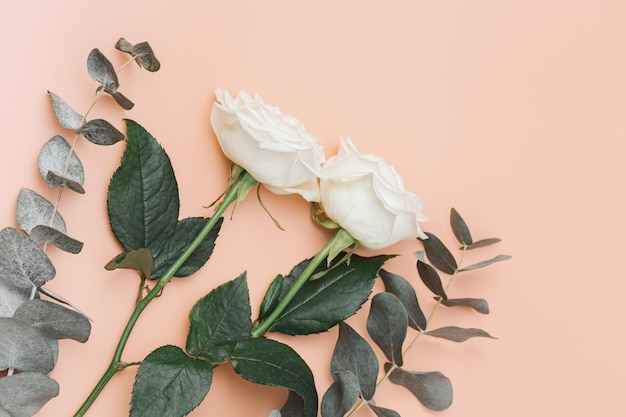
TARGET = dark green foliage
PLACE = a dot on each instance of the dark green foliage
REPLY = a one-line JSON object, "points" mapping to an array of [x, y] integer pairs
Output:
{"points": [[143, 206], [405, 292], [220, 320], [322, 303], [170, 383], [267, 362], [387, 325]]}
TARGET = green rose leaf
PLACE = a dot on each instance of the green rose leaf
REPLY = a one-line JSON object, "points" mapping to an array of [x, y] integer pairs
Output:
{"points": [[184, 233], [272, 297], [170, 383], [143, 199], [268, 362], [220, 320], [322, 303], [143, 206]]}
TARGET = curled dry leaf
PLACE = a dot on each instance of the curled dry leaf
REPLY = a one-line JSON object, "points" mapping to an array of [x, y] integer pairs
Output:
{"points": [[101, 70], [140, 260], [142, 52]]}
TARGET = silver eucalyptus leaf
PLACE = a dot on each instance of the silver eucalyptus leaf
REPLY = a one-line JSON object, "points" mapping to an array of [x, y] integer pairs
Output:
{"points": [[11, 297], [24, 394], [55, 180], [33, 210], [101, 70], [54, 158], [46, 234], [54, 321], [22, 262], [67, 117], [101, 132], [23, 348]]}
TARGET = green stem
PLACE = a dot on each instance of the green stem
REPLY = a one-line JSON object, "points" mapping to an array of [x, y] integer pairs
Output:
{"points": [[116, 362], [321, 256]]}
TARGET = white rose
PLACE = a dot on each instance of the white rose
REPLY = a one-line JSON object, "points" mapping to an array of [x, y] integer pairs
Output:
{"points": [[366, 197], [273, 147]]}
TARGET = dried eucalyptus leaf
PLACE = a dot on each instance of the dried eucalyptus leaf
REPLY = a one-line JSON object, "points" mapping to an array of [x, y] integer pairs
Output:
{"points": [[22, 262], [54, 180], [124, 46], [101, 132], [459, 228], [142, 52], [439, 255], [387, 324], [140, 260], [121, 99], [54, 321], [66, 116], [23, 348], [24, 394], [101, 70], [33, 210], [430, 278], [483, 242], [54, 158], [46, 234], [433, 389], [383, 412], [478, 304], [11, 297], [458, 334], [145, 57], [405, 292], [353, 354], [488, 262], [61, 299]]}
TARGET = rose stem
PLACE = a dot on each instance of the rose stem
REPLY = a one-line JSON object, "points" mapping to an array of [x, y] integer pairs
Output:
{"points": [[321, 256], [116, 362]]}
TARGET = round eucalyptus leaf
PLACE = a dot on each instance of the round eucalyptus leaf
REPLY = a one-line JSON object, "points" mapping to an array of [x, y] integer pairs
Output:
{"points": [[101, 132], [33, 210], [45, 234], [23, 348], [22, 262], [101, 70], [23, 394], [66, 116], [54, 321], [11, 297], [54, 157]]}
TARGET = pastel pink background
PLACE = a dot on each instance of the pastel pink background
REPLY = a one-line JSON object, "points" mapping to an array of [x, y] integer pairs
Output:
{"points": [[511, 111]]}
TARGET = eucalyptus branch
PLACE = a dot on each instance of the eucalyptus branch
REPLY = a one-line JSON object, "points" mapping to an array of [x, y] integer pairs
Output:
{"points": [[419, 334]]}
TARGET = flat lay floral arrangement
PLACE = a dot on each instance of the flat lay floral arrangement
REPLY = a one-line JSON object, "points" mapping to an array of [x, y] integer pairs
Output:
{"points": [[359, 198]]}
